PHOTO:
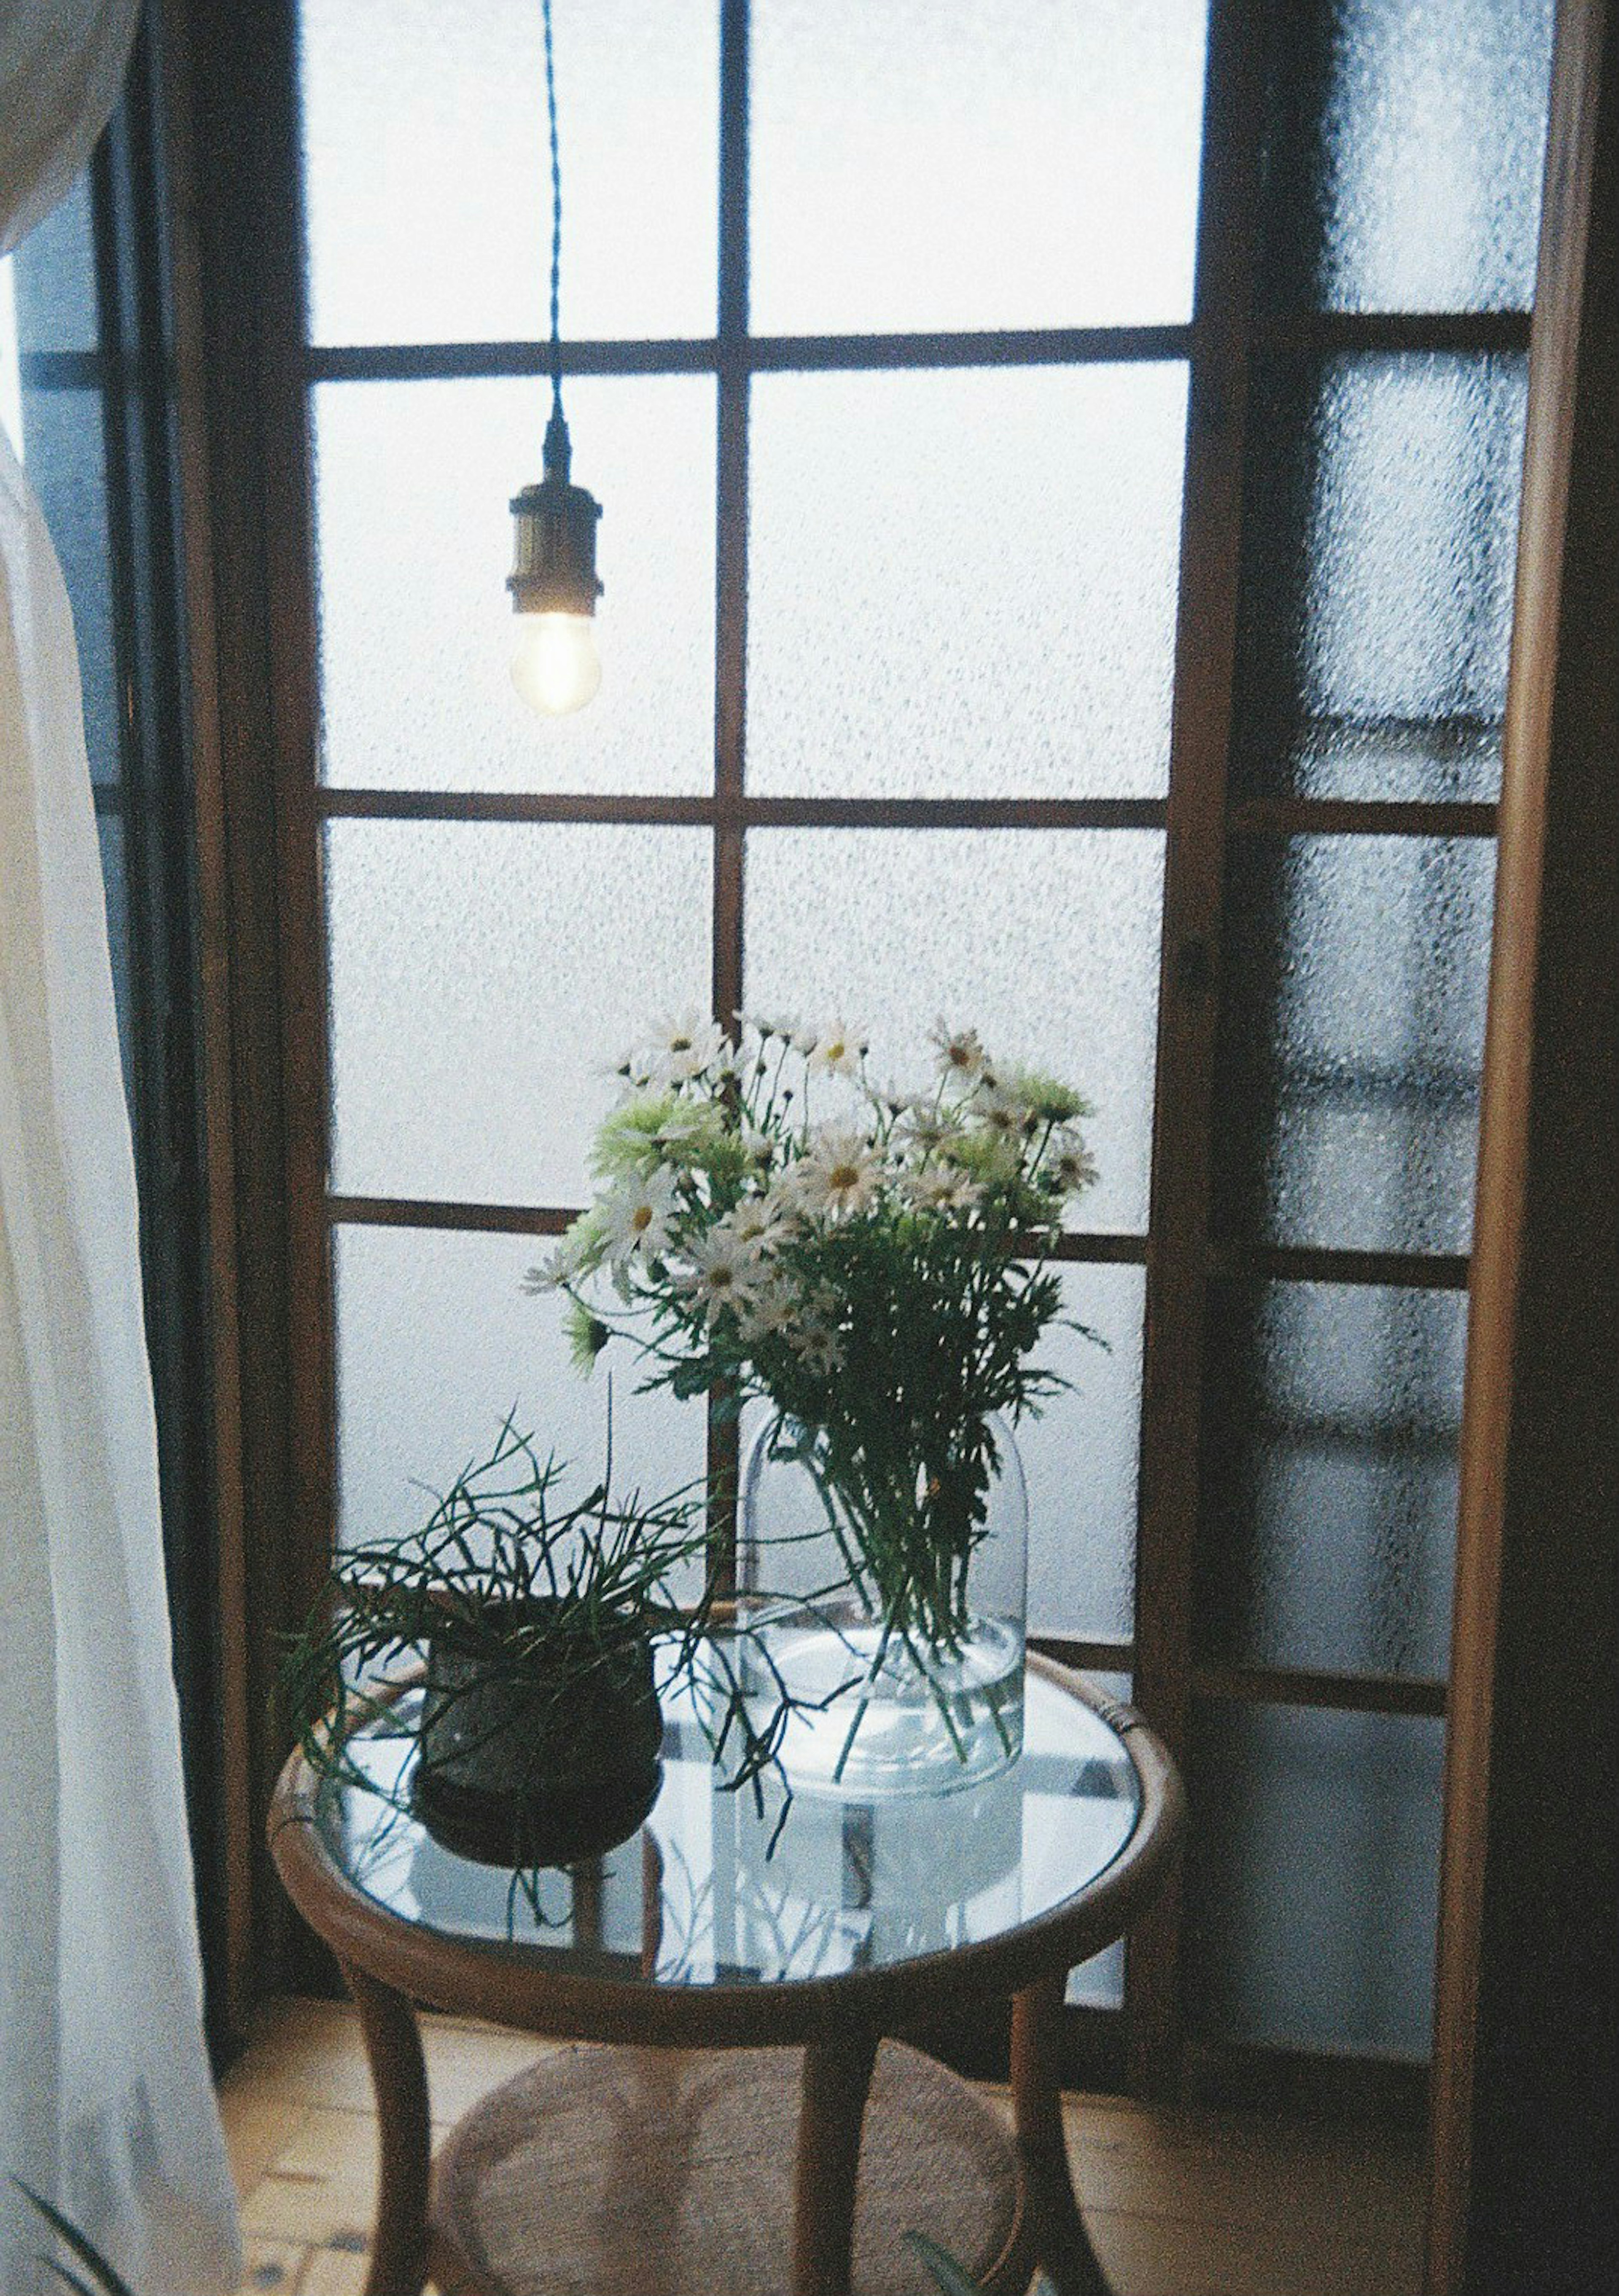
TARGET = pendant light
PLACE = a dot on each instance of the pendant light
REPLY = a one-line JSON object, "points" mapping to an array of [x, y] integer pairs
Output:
{"points": [[555, 664]]}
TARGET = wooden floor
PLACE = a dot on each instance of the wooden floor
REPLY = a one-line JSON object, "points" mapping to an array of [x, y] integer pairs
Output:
{"points": [[1179, 2203]]}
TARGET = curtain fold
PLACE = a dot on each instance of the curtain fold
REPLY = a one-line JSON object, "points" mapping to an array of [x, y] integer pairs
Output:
{"points": [[105, 2098]]}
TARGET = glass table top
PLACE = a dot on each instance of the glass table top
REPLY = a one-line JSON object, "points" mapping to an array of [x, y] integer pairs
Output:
{"points": [[716, 1890]]}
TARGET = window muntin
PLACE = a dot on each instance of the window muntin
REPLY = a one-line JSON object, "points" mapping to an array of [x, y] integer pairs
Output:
{"points": [[1366, 693]]}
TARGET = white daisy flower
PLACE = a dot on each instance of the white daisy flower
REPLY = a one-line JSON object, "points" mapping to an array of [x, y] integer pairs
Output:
{"points": [[836, 1050], [929, 1129], [840, 1174], [771, 1311], [723, 1272], [686, 1048], [755, 1221], [635, 1219], [572, 1255], [818, 1350], [942, 1189], [1072, 1166], [960, 1052]]}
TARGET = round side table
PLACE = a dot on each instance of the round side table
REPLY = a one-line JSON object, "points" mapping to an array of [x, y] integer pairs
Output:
{"points": [[793, 2162]]}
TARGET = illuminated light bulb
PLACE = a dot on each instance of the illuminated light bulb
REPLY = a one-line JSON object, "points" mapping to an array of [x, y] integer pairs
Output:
{"points": [[555, 664], [553, 583]]}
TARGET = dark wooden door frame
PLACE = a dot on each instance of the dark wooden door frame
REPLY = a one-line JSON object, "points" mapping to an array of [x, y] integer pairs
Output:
{"points": [[1524, 2120]]}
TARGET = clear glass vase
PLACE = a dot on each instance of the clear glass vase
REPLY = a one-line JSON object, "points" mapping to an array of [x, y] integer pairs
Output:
{"points": [[884, 1604]]}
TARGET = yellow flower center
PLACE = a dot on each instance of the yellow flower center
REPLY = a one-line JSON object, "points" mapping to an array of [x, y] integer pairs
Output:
{"points": [[641, 1218], [843, 1176]]}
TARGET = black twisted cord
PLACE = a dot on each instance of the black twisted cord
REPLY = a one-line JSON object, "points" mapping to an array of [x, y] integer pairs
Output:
{"points": [[556, 216]]}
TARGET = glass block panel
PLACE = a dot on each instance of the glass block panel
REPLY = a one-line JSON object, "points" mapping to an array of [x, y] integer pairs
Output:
{"points": [[1080, 1459], [963, 584], [1407, 143], [1332, 1415], [1312, 1881], [412, 484], [1350, 1036], [427, 174], [436, 1342], [67, 463], [483, 980], [1047, 945], [964, 167], [1381, 535]]}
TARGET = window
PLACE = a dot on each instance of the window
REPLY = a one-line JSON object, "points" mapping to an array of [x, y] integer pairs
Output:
{"points": [[1060, 497]]}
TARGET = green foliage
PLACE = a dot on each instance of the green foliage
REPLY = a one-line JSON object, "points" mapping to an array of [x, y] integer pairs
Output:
{"points": [[875, 1275], [551, 1597]]}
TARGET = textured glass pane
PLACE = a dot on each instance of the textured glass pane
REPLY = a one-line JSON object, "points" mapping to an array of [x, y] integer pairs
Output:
{"points": [[1080, 1459], [1329, 1517], [53, 278], [1351, 1035], [973, 166], [1407, 151], [964, 584], [413, 481], [1047, 945], [1313, 1878], [1098, 1983], [67, 463], [484, 979], [427, 172], [115, 884], [1381, 536], [436, 1342]]}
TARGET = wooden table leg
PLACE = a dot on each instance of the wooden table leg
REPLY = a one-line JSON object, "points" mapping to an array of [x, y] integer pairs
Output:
{"points": [[836, 2079], [393, 2045], [1063, 2243]]}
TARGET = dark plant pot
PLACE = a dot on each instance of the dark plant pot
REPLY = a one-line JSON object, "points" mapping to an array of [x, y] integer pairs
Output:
{"points": [[534, 1762]]}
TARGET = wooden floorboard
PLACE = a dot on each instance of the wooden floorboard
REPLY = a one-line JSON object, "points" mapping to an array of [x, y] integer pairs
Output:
{"points": [[1180, 2202]]}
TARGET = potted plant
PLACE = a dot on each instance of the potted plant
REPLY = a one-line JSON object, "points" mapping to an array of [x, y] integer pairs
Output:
{"points": [[542, 1628], [768, 1225]]}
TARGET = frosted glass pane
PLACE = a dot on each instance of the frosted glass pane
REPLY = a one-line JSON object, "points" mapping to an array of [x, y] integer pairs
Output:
{"points": [[53, 278], [1409, 143], [427, 174], [1382, 535], [67, 463], [115, 885], [484, 979], [436, 1342], [918, 166], [412, 484], [1331, 1418], [964, 584], [1080, 1458], [1047, 945], [1313, 1878], [1356, 969]]}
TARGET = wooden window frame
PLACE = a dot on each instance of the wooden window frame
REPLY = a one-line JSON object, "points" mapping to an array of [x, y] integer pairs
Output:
{"points": [[245, 375]]}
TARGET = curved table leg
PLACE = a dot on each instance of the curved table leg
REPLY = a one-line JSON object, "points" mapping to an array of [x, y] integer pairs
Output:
{"points": [[393, 2045], [1062, 2241], [837, 2078]]}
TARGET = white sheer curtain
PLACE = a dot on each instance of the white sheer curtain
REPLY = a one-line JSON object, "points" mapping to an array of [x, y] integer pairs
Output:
{"points": [[105, 2100]]}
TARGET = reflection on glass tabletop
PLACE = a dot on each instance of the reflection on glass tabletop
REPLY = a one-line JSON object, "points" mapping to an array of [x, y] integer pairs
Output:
{"points": [[699, 1895]]}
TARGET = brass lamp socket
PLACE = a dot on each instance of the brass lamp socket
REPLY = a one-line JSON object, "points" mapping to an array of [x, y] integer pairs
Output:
{"points": [[554, 537]]}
